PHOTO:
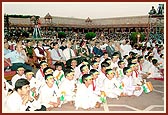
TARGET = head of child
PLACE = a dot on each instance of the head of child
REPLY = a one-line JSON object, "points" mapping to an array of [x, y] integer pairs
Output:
{"points": [[43, 64], [132, 66], [162, 56], [136, 67], [105, 55], [20, 71], [155, 62], [121, 64], [140, 60], [150, 53], [73, 63], [94, 73], [104, 66], [97, 58], [69, 74], [126, 57], [47, 70], [87, 79], [49, 80], [29, 74], [22, 86], [150, 58], [115, 57], [131, 54], [58, 66], [134, 60], [108, 60], [110, 74], [84, 69], [95, 64], [127, 71]]}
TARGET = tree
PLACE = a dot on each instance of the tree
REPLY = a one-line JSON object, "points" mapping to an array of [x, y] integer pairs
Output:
{"points": [[90, 35], [61, 35], [133, 37]]}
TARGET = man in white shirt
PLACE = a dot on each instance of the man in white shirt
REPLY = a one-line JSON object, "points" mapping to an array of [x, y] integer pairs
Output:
{"points": [[68, 52]]}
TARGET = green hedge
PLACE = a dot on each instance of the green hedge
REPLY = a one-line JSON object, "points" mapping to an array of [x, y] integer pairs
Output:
{"points": [[90, 35], [61, 35], [133, 36]]}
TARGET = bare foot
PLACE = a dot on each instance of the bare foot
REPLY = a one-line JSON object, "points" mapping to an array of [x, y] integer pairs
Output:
{"points": [[98, 105], [49, 109]]}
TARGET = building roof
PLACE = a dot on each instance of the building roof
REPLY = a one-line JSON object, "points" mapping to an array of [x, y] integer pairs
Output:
{"points": [[83, 22], [48, 16]]}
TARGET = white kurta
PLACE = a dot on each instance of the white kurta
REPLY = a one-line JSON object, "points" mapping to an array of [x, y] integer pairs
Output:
{"points": [[35, 83], [16, 77], [137, 79], [100, 80], [60, 75], [39, 77], [129, 88], [85, 98], [14, 103], [48, 94], [111, 88], [68, 87], [155, 73]]}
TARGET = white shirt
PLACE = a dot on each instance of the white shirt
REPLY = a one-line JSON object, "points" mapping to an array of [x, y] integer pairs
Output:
{"points": [[100, 80], [16, 77], [111, 88], [68, 87], [85, 98], [48, 94], [39, 77], [38, 53], [66, 53], [14, 103]]}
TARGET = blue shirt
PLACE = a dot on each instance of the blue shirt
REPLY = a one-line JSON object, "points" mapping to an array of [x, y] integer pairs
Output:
{"points": [[6, 51], [15, 57]]}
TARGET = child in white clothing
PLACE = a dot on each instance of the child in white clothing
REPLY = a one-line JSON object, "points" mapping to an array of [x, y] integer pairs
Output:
{"points": [[85, 97], [111, 85], [58, 74], [128, 87], [67, 87]]}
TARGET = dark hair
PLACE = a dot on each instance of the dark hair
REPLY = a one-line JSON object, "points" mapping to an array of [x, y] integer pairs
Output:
{"points": [[108, 59], [139, 58], [93, 62], [45, 69], [55, 43], [43, 62], [84, 77], [129, 64], [161, 55], [46, 76], [150, 58], [107, 70], [57, 64], [81, 68], [92, 71], [104, 64], [119, 62], [125, 70], [68, 71], [154, 61], [20, 83]]}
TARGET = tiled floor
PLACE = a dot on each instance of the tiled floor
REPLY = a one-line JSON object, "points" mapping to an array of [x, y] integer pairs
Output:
{"points": [[151, 102]]}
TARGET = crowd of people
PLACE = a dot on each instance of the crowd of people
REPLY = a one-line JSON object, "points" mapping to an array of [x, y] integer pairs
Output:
{"points": [[77, 71]]}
